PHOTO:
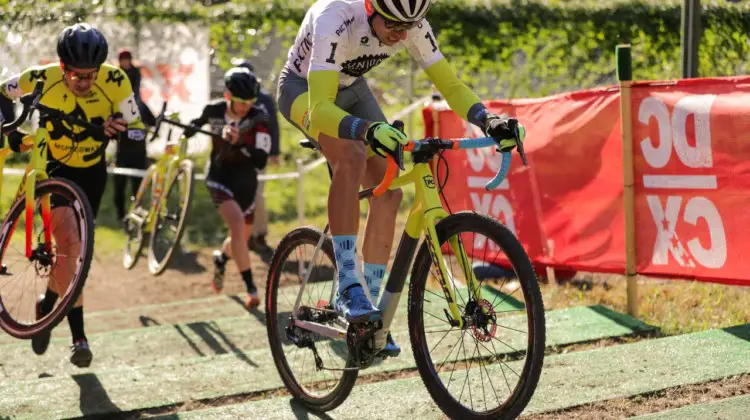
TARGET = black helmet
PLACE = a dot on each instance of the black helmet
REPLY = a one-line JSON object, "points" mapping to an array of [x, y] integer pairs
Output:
{"points": [[242, 83], [82, 46], [248, 65]]}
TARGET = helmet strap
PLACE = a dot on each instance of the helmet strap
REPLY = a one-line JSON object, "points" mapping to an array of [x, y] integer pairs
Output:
{"points": [[372, 28]]}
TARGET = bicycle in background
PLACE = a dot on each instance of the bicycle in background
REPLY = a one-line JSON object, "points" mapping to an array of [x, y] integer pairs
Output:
{"points": [[160, 207]]}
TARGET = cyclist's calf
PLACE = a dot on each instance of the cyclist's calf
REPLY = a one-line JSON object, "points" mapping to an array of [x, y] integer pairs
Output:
{"points": [[67, 243], [348, 161]]}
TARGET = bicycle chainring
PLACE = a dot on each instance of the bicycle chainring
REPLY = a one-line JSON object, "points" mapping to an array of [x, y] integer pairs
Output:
{"points": [[360, 337]]}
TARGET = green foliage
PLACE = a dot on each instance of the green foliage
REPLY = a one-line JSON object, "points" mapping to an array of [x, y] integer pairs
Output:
{"points": [[504, 49]]}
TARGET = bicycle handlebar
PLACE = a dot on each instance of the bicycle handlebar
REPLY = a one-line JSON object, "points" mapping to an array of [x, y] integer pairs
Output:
{"points": [[188, 127], [440, 144], [31, 102], [161, 118]]}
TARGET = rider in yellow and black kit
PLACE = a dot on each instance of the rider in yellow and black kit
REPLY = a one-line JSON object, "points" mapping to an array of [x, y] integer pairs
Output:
{"points": [[83, 86]]}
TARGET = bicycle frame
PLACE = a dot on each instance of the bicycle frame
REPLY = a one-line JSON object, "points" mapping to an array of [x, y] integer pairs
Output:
{"points": [[163, 170], [36, 170], [426, 211]]}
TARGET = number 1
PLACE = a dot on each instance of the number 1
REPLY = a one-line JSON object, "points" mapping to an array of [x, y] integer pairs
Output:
{"points": [[432, 41], [333, 52]]}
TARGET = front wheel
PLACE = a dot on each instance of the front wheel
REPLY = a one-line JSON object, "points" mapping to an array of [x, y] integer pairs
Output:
{"points": [[31, 264], [291, 346], [490, 366], [137, 218], [171, 215]]}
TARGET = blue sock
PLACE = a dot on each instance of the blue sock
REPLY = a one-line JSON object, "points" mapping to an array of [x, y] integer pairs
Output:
{"points": [[344, 247], [374, 274]]}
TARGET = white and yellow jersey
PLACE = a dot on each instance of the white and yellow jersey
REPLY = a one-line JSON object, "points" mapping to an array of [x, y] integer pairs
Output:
{"points": [[335, 35]]}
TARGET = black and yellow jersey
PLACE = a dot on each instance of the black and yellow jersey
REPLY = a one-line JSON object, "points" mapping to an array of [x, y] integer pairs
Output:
{"points": [[110, 93]]}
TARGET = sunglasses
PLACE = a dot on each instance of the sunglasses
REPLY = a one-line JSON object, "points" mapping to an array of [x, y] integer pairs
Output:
{"points": [[79, 77], [240, 100], [394, 26]]}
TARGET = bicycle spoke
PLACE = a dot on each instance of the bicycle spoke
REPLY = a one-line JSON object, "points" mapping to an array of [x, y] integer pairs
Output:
{"points": [[436, 317], [441, 340], [481, 323], [511, 329]]}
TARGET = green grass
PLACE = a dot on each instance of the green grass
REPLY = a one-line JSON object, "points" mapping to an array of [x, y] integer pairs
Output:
{"points": [[676, 306]]}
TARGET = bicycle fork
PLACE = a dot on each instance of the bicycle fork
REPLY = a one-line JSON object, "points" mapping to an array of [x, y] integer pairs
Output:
{"points": [[445, 277], [37, 172]]}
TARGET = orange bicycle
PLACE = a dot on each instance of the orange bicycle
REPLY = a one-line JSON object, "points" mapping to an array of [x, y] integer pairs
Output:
{"points": [[48, 207]]}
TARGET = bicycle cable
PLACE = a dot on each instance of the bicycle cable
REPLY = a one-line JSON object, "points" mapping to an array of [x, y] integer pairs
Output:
{"points": [[442, 158]]}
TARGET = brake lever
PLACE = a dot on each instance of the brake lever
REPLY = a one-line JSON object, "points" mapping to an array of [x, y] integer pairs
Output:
{"points": [[519, 143], [398, 154], [521, 152]]}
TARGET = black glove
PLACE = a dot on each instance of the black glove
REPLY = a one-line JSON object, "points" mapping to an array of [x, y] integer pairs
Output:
{"points": [[14, 139], [504, 131]]}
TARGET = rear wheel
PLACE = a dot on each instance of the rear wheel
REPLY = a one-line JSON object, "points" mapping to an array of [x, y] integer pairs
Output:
{"points": [[489, 367], [24, 277], [291, 346], [136, 220], [171, 218]]}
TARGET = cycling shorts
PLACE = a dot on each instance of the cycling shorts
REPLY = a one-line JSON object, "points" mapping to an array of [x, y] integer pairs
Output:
{"points": [[238, 184], [356, 99], [92, 180]]}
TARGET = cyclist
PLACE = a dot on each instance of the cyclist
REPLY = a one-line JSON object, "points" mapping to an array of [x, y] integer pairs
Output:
{"points": [[236, 157], [257, 241], [322, 92], [81, 84]]}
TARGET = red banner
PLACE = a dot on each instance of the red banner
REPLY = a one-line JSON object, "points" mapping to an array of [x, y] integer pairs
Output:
{"points": [[692, 143], [566, 207]]}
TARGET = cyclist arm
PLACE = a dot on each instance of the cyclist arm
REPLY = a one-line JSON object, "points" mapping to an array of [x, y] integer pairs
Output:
{"points": [[7, 113], [327, 55], [273, 122], [13, 89], [126, 105], [197, 122], [262, 148], [460, 98], [422, 45]]}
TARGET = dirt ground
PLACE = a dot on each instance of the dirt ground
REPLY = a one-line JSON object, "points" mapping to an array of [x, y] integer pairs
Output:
{"points": [[111, 286]]}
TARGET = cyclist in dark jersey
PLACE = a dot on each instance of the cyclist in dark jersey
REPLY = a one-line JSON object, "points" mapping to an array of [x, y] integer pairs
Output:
{"points": [[237, 154]]}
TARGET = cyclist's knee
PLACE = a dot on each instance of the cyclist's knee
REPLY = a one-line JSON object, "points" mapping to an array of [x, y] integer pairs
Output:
{"points": [[351, 165], [388, 201], [236, 224], [232, 215], [393, 197]]}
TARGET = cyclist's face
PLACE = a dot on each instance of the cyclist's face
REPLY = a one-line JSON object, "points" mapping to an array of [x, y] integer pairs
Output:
{"points": [[79, 81], [388, 33], [241, 108]]}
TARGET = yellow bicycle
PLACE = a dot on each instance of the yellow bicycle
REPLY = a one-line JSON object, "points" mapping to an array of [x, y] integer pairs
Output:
{"points": [[160, 207], [479, 350], [57, 215]]}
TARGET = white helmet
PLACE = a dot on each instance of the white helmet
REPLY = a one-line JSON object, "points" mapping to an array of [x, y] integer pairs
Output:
{"points": [[401, 10]]}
